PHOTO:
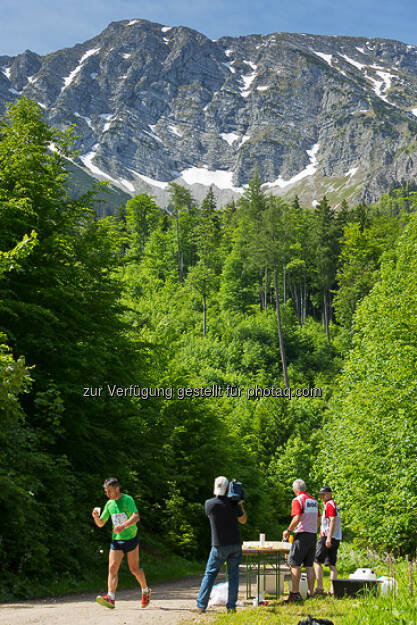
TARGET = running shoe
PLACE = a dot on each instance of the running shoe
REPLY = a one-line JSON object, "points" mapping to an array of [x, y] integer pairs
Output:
{"points": [[106, 601], [146, 597]]}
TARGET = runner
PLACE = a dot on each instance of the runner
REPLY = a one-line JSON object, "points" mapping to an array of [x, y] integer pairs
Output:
{"points": [[124, 515]]}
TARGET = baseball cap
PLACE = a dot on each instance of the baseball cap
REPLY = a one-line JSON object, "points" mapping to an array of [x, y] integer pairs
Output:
{"points": [[325, 489], [220, 485]]}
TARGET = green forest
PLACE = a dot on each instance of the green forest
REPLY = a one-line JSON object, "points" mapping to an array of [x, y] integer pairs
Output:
{"points": [[260, 294]]}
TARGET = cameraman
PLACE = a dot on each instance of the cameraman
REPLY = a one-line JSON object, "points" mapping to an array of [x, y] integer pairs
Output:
{"points": [[224, 515]]}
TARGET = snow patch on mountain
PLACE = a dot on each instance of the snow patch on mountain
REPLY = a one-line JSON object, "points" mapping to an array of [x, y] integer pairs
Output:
{"points": [[325, 57], [351, 172], [382, 85], [175, 130], [153, 135], [128, 185], [248, 80], [229, 137], [243, 140], [229, 67], [359, 66], [151, 181], [307, 171], [108, 118], [85, 118], [202, 175], [69, 79], [87, 160]]}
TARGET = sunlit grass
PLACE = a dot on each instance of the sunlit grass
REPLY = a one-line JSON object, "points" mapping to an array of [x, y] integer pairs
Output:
{"points": [[369, 609]]}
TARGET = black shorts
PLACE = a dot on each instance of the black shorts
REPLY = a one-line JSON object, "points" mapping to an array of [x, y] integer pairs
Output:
{"points": [[125, 545], [324, 555], [303, 549]]}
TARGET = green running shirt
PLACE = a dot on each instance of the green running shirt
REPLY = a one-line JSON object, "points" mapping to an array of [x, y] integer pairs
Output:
{"points": [[120, 510]]}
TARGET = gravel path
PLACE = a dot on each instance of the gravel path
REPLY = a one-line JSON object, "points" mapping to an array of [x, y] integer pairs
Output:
{"points": [[170, 604]]}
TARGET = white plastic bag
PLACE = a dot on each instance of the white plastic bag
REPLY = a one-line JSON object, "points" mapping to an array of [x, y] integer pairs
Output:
{"points": [[218, 595]]}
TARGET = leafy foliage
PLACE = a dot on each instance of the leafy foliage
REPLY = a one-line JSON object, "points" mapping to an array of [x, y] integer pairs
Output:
{"points": [[259, 294], [372, 433]]}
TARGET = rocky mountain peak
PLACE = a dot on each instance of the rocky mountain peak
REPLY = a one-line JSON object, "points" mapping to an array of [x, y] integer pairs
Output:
{"points": [[154, 103]]}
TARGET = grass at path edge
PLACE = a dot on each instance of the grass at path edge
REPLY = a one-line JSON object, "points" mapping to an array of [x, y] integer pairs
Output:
{"points": [[158, 563]]}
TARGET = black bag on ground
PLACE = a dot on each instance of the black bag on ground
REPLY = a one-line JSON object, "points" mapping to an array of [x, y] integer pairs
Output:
{"points": [[310, 620]]}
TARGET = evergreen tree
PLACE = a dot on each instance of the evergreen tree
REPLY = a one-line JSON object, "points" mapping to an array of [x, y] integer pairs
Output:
{"points": [[327, 248], [184, 212], [253, 205], [359, 261]]}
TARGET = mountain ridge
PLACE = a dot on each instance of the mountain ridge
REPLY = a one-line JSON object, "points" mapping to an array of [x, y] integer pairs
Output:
{"points": [[152, 104]]}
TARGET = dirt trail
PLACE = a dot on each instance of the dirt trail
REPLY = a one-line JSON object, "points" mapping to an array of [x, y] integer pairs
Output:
{"points": [[171, 603]]}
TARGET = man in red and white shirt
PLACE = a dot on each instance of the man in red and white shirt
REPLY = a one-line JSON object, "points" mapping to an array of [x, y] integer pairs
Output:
{"points": [[330, 537], [305, 515]]}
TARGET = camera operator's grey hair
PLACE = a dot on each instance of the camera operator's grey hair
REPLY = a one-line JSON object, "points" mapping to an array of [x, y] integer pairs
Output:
{"points": [[299, 485], [221, 485]]}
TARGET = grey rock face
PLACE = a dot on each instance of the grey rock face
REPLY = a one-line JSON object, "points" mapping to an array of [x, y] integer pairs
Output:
{"points": [[152, 104]]}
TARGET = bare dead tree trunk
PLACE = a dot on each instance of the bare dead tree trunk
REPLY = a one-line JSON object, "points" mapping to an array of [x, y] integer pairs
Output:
{"points": [[204, 315], [292, 291], [284, 279], [261, 293], [296, 301], [326, 314], [280, 337], [179, 251], [266, 288], [304, 300]]}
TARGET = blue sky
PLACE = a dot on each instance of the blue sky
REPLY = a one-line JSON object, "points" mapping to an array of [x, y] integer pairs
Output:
{"points": [[47, 25]]}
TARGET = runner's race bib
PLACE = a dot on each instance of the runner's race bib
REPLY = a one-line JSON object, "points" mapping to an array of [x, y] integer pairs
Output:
{"points": [[118, 519]]}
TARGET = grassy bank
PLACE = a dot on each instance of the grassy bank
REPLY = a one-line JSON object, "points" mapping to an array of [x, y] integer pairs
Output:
{"points": [[159, 564], [399, 609]]}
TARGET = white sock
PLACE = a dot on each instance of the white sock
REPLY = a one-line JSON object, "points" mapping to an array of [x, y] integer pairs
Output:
{"points": [[112, 595], [145, 590]]}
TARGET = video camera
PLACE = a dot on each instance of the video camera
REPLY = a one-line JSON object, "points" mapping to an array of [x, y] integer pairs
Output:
{"points": [[236, 492]]}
